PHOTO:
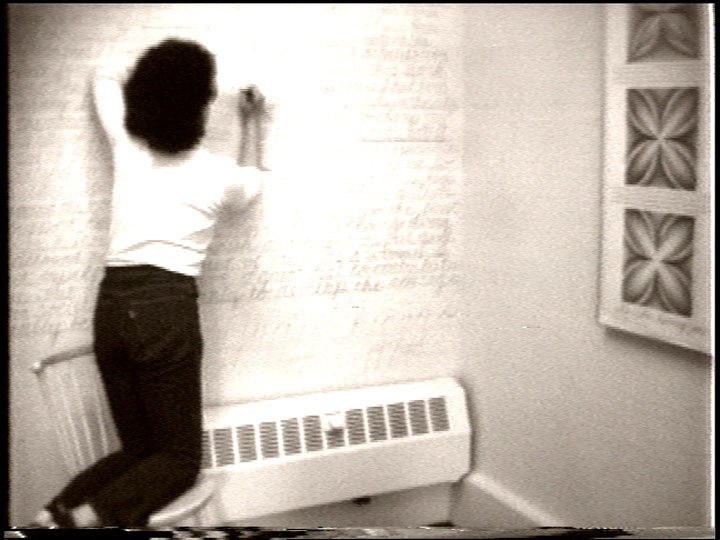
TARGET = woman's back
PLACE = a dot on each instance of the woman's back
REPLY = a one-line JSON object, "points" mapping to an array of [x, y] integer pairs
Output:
{"points": [[167, 188], [164, 209]]}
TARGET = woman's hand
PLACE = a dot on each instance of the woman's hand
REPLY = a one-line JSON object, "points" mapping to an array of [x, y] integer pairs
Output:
{"points": [[254, 114], [251, 103]]}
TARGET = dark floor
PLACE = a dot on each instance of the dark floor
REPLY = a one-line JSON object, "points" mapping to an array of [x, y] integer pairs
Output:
{"points": [[376, 533]]}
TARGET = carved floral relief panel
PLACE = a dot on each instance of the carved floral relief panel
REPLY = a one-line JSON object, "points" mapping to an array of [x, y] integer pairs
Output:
{"points": [[657, 270], [661, 32], [662, 128]]}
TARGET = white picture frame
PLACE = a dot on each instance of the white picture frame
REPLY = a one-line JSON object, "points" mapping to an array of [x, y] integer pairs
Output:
{"points": [[656, 245]]}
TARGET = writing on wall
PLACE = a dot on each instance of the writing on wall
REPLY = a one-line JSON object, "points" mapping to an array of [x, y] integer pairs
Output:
{"points": [[363, 141]]}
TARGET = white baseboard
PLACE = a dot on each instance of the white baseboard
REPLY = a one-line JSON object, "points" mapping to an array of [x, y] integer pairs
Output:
{"points": [[482, 502]]}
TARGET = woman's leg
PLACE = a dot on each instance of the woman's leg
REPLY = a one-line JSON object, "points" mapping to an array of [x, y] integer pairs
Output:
{"points": [[166, 351]]}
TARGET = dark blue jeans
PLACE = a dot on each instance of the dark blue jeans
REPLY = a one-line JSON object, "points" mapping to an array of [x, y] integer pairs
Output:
{"points": [[148, 348]]}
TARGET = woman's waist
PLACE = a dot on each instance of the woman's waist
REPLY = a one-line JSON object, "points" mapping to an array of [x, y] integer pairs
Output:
{"points": [[183, 258], [146, 279]]}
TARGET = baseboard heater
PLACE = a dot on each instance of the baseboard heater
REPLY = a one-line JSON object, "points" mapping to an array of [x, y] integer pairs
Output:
{"points": [[296, 452]]}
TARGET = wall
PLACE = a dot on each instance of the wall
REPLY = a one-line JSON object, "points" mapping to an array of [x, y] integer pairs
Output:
{"points": [[343, 275], [576, 425]]}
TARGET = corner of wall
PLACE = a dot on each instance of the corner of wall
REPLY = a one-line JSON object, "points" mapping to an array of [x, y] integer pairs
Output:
{"points": [[481, 502]]}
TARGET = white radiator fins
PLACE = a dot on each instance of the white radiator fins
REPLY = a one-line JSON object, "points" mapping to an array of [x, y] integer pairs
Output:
{"points": [[308, 450], [291, 436], [313, 433], [398, 420], [246, 442], [206, 454], [269, 440], [418, 417], [356, 426], [376, 420], [223, 447], [403, 420], [439, 414]]}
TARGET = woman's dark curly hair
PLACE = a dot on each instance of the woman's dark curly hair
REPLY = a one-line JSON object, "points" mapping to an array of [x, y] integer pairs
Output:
{"points": [[166, 95]]}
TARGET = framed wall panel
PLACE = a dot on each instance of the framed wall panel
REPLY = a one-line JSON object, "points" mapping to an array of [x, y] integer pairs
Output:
{"points": [[656, 257]]}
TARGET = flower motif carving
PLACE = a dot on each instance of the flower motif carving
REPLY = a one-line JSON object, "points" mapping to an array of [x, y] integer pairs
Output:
{"points": [[662, 127], [658, 254], [671, 27]]}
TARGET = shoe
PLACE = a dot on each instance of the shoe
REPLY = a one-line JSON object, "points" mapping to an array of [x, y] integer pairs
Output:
{"points": [[61, 515], [43, 520]]}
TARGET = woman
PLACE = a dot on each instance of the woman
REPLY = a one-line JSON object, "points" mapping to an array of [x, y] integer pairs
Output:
{"points": [[167, 194]]}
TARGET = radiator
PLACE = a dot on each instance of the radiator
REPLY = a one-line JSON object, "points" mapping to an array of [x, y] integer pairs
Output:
{"points": [[297, 452]]}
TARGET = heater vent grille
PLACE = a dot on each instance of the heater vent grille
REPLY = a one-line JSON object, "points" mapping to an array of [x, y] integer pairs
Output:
{"points": [[335, 438], [313, 433], [206, 462], [246, 442], [227, 446], [291, 436], [376, 420], [223, 446], [398, 420], [355, 426], [269, 440], [418, 417], [439, 414]]}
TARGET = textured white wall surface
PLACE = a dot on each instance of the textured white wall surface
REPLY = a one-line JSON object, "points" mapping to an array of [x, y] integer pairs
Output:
{"points": [[575, 424], [344, 273], [435, 211]]}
